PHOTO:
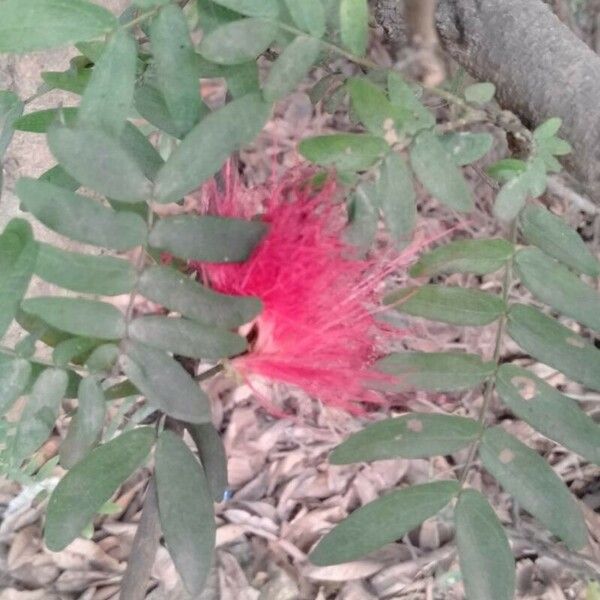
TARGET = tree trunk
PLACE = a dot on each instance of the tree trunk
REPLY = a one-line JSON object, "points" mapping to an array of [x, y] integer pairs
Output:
{"points": [[540, 69]]}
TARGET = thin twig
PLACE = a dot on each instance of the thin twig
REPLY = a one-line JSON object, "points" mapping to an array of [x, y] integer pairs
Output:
{"points": [[490, 384]]}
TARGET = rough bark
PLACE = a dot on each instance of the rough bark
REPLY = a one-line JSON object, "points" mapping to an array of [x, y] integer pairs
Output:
{"points": [[540, 69]]}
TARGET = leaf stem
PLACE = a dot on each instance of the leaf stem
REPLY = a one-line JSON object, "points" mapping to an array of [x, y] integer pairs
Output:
{"points": [[490, 384], [141, 18], [139, 268], [363, 62]]}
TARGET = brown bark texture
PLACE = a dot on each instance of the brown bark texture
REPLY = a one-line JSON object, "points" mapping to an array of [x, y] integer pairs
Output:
{"points": [[540, 69]]}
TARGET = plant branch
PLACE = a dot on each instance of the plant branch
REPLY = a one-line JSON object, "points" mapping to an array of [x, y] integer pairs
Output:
{"points": [[490, 384], [139, 267]]}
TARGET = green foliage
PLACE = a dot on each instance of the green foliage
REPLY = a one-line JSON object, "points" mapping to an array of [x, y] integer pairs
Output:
{"points": [[382, 521], [464, 256], [527, 476], [436, 170], [435, 371], [454, 305], [354, 15], [418, 435], [207, 238], [291, 67], [27, 25], [18, 253], [486, 559], [84, 273], [186, 510], [86, 425], [155, 374], [396, 151], [211, 452], [186, 337], [91, 482]]}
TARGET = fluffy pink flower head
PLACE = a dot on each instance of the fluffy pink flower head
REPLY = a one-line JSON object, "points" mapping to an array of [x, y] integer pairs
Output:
{"points": [[318, 328]]}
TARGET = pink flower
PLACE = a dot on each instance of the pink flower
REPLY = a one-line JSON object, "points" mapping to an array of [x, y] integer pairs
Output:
{"points": [[318, 329]]}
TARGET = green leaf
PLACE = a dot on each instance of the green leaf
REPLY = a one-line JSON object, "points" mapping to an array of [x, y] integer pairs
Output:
{"points": [[79, 316], [252, 8], [132, 140], [99, 161], [34, 325], [85, 273], [558, 287], [38, 367], [186, 511], [323, 87], [151, 105], [511, 199], [108, 97], [143, 548], [41, 120], [207, 238], [239, 41], [397, 198], [435, 371], [547, 129], [486, 560], [555, 345], [554, 147], [464, 256], [553, 414], [437, 172], [242, 79], [454, 305], [186, 337], [538, 489], [74, 80], [212, 456], [57, 176], [383, 521], [91, 483], [149, 3], [81, 218], [18, 252], [536, 177], [371, 106], [211, 15], [354, 25], [165, 383], [103, 358], [209, 144], [345, 151], [465, 147], [11, 108], [86, 425], [14, 377], [181, 294], [74, 349], [480, 93], [291, 67], [507, 169], [415, 116], [364, 214], [28, 25], [551, 234], [415, 435], [308, 15], [175, 65], [40, 413]]}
